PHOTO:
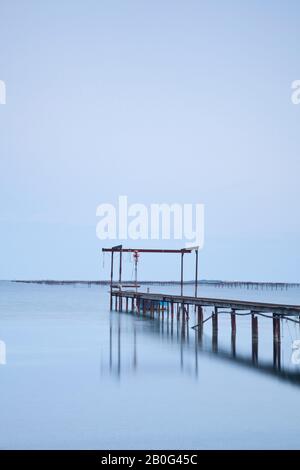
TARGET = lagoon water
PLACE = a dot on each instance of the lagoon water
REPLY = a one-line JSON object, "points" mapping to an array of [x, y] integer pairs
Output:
{"points": [[80, 377]]}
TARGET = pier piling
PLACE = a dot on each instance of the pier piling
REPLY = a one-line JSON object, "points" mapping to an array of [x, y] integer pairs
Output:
{"points": [[233, 322], [276, 342], [254, 329]]}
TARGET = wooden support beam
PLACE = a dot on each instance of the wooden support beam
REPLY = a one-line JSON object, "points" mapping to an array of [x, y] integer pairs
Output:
{"points": [[233, 344], [254, 330], [276, 342], [215, 330], [196, 273], [254, 325], [215, 320], [120, 279], [111, 279], [276, 328], [233, 333], [200, 323], [181, 277], [233, 322], [200, 316], [138, 305]]}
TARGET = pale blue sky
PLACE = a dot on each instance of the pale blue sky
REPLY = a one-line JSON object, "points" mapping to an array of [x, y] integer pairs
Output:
{"points": [[163, 101]]}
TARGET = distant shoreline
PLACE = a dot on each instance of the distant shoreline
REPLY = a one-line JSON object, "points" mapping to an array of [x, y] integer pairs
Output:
{"points": [[219, 283], [107, 282]]}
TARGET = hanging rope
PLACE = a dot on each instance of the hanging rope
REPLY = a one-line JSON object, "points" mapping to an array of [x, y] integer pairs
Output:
{"points": [[247, 314], [202, 323]]}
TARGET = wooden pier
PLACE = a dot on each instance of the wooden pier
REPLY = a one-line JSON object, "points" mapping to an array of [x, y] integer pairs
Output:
{"points": [[180, 306], [181, 302]]}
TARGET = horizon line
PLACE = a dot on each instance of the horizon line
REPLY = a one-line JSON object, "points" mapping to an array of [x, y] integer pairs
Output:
{"points": [[107, 281]]}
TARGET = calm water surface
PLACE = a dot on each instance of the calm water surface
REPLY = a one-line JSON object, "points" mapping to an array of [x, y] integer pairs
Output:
{"points": [[79, 377]]}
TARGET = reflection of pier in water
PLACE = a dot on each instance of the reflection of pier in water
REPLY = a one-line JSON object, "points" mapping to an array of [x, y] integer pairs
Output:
{"points": [[115, 348], [194, 343]]}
